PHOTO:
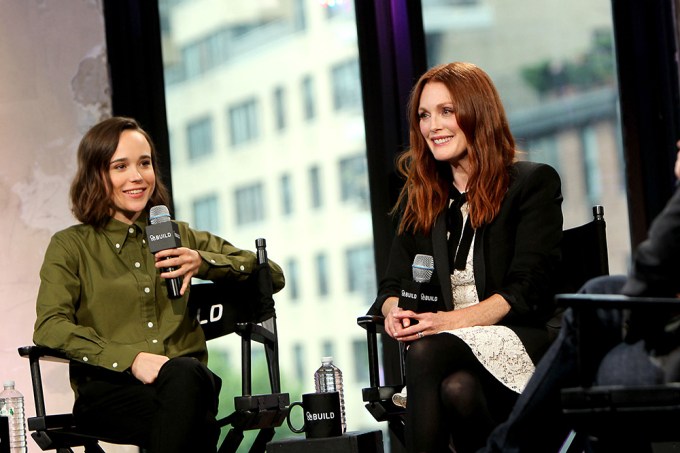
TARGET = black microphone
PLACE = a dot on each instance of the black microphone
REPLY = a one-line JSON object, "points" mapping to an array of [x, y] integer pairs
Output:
{"points": [[418, 294], [163, 234]]}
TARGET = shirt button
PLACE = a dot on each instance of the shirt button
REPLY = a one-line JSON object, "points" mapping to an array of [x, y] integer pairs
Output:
{"points": [[137, 264], [115, 364], [131, 230], [243, 267], [154, 341], [147, 290], [150, 324], [143, 241], [85, 359], [117, 246], [212, 261]]}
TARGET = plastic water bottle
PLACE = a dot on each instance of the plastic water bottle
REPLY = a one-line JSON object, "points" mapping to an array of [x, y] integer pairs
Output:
{"points": [[328, 378], [12, 407]]}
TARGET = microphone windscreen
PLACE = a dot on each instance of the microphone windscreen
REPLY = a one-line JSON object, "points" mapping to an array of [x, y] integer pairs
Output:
{"points": [[423, 267], [159, 214]]}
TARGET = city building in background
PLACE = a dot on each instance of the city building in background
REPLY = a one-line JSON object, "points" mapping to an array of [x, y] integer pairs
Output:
{"points": [[267, 140]]}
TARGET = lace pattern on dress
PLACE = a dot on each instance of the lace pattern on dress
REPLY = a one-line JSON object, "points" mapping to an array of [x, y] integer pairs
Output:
{"points": [[497, 348]]}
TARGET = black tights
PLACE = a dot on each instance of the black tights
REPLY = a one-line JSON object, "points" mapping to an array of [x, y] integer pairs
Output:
{"points": [[451, 396]]}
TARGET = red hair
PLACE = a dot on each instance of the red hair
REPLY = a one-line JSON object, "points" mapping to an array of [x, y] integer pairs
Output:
{"points": [[491, 151]]}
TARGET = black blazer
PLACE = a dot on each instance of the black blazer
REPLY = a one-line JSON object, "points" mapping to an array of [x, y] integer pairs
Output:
{"points": [[515, 255]]}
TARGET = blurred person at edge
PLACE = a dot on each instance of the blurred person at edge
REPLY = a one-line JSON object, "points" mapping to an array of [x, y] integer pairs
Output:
{"points": [[648, 355], [493, 225], [138, 358]]}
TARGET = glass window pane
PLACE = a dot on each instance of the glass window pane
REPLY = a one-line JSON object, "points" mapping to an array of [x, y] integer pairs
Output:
{"points": [[280, 82], [322, 274], [206, 213], [286, 187], [555, 71], [308, 98], [354, 180], [200, 138]]}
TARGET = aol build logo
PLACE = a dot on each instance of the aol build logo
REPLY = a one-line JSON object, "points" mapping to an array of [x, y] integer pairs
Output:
{"points": [[317, 416]]}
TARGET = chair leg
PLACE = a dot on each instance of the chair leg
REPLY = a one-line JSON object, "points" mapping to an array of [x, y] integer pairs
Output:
{"points": [[93, 447], [574, 443], [232, 441], [260, 443]]}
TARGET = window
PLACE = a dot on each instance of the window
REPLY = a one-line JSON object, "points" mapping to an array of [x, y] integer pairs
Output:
{"points": [[206, 214], [322, 273], [249, 204], [591, 155], [264, 69], [361, 271], [279, 108], [200, 138], [354, 180], [327, 349], [286, 187], [243, 122], [308, 98], [346, 89], [315, 186], [561, 97], [360, 360], [292, 279], [299, 359]]}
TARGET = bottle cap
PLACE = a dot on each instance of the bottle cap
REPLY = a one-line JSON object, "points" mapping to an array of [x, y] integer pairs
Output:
{"points": [[8, 383], [327, 359]]}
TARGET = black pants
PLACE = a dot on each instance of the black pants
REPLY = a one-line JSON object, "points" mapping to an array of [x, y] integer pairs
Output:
{"points": [[174, 414]]}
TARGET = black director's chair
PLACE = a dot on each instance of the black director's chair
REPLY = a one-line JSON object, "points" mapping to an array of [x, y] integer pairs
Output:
{"points": [[246, 308]]}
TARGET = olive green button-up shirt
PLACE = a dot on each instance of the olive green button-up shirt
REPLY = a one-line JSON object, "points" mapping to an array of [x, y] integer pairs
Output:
{"points": [[102, 301]]}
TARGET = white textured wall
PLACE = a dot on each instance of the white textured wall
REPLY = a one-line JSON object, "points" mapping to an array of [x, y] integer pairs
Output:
{"points": [[53, 87]]}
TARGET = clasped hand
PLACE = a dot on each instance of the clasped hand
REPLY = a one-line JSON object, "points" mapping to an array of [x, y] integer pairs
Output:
{"points": [[146, 366], [185, 261], [400, 326]]}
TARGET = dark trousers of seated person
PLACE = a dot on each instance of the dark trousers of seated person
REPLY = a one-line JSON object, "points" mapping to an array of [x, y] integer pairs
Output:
{"points": [[174, 414], [451, 396], [536, 423]]}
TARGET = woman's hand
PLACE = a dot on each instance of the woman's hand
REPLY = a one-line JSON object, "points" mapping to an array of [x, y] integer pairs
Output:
{"points": [[486, 313], [146, 366], [676, 169], [394, 322], [185, 261]]}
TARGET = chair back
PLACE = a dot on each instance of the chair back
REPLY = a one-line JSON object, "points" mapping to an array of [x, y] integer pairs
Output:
{"points": [[220, 307], [583, 256], [584, 253]]}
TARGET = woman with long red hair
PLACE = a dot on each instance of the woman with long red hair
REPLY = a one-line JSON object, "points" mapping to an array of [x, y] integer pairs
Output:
{"points": [[493, 226]]}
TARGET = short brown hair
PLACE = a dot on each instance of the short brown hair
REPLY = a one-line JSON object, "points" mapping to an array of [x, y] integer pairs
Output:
{"points": [[91, 187]]}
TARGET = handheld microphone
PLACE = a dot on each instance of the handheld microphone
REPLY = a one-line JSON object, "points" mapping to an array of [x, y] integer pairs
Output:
{"points": [[419, 295], [163, 234]]}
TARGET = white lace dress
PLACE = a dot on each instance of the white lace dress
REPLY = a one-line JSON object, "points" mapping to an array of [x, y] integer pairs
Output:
{"points": [[497, 348]]}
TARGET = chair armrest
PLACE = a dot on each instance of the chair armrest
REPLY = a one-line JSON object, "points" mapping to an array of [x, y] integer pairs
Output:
{"points": [[370, 322], [35, 354], [585, 322], [41, 352], [616, 301]]}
